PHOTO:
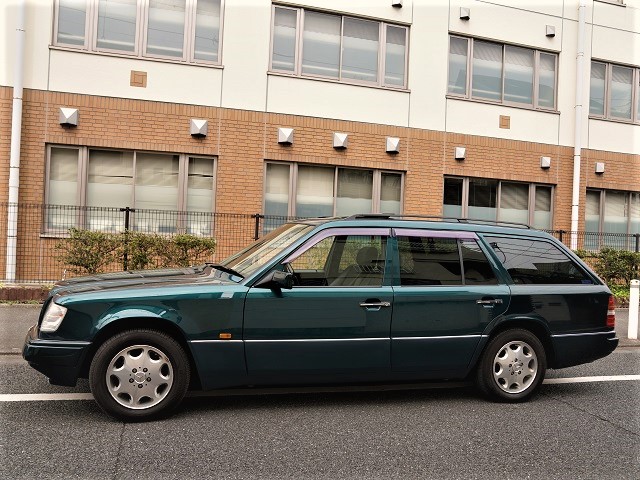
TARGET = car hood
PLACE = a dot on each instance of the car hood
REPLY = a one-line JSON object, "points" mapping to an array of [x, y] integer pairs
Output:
{"points": [[145, 278]]}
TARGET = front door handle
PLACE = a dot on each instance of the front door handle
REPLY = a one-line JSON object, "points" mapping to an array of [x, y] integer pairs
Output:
{"points": [[489, 301], [374, 304]]}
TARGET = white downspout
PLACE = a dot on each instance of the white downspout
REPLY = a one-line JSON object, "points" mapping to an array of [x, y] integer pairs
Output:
{"points": [[16, 136], [577, 142]]}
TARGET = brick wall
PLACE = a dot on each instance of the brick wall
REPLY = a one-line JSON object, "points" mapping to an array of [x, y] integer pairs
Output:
{"points": [[243, 140]]}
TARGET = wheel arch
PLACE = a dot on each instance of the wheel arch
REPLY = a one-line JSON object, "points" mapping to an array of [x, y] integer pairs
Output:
{"points": [[149, 323], [536, 326]]}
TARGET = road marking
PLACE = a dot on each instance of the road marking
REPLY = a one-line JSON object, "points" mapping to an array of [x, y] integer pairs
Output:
{"points": [[50, 397], [605, 378]]}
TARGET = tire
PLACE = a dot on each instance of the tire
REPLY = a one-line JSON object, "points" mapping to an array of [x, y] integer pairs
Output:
{"points": [[139, 375], [512, 366]]}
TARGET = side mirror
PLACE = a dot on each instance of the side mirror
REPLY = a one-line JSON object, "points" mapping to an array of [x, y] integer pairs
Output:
{"points": [[276, 280]]}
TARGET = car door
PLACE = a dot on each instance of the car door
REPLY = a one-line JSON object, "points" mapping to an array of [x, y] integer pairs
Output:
{"points": [[335, 321], [447, 293]]}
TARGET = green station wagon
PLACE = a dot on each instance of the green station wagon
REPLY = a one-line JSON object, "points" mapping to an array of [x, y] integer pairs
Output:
{"points": [[359, 300]]}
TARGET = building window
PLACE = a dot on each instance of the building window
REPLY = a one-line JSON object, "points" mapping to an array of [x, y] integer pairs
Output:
{"points": [[505, 74], [181, 30], [103, 181], [319, 191], [314, 44], [610, 211], [615, 92], [494, 200]]}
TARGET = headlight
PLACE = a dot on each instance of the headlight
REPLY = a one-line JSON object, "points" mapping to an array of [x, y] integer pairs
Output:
{"points": [[52, 317]]}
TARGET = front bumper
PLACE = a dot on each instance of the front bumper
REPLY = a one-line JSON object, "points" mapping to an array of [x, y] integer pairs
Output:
{"points": [[59, 360], [578, 348]]}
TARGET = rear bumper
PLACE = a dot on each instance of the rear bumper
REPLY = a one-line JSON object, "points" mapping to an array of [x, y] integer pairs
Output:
{"points": [[577, 348], [60, 361]]}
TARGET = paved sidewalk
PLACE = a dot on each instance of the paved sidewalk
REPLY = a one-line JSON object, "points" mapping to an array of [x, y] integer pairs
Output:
{"points": [[15, 320]]}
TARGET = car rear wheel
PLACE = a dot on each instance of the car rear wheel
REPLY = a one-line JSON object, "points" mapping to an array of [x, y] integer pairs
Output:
{"points": [[139, 375], [512, 366]]}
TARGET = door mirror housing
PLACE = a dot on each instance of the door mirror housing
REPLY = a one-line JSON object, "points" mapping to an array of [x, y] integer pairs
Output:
{"points": [[276, 280]]}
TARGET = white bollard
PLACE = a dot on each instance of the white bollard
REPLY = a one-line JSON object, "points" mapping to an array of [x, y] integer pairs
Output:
{"points": [[634, 299]]}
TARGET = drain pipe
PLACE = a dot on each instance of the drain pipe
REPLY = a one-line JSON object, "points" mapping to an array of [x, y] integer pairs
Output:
{"points": [[16, 136], [577, 142]]}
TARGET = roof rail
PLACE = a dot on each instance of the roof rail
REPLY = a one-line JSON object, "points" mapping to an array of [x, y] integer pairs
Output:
{"points": [[364, 216]]}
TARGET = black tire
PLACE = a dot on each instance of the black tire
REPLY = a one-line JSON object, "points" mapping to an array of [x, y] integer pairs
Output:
{"points": [[512, 366], [139, 375]]}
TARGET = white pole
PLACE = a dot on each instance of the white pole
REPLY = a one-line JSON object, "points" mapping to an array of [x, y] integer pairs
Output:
{"points": [[577, 141], [16, 137], [634, 300]]}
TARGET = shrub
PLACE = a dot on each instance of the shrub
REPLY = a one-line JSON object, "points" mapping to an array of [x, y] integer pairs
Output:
{"points": [[183, 250], [617, 266], [89, 252], [86, 251]]}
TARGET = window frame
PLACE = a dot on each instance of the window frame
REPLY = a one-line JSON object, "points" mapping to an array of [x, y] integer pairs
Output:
{"points": [[635, 92], [299, 47], [601, 207], [83, 178], [376, 190], [141, 36], [468, 95], [531, 200]]}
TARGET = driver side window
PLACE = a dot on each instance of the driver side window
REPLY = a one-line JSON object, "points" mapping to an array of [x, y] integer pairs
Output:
{"points": [[342, 261]]}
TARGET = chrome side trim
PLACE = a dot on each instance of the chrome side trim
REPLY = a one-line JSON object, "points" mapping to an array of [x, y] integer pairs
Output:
{"points": [[292, 340], [215, 341], [443, 337], [58, 343], [582, 334]]}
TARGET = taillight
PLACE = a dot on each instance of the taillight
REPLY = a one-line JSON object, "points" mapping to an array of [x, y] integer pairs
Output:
{"points": [[611, 313]]}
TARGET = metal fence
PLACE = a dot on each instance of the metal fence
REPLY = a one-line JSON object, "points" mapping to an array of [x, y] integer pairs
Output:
{"points": [[41, 227], [595, 241]]}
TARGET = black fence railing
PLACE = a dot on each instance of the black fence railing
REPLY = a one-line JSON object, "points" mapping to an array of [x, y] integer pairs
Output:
{"points": [[41, 227], [595, 241]]}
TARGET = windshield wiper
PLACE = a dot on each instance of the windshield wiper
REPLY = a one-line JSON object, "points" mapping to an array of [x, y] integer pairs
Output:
{"points": [[224, 269]]}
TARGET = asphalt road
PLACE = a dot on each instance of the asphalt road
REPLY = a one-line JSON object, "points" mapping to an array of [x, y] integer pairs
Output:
{"points": [[585, 430]]}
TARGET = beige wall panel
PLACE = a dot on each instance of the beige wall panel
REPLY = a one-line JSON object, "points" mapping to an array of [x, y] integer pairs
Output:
{"points": [[428, 60], [614, 137], [547, 7], [38, 25], [110, 76], [484, 120], [313, 98], [245, 53], [616, 45], [505, 24], [614, 16], [381, 9]]}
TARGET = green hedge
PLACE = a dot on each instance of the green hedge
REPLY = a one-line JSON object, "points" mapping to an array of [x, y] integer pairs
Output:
{"points": [[616, 267], [88, 252]]}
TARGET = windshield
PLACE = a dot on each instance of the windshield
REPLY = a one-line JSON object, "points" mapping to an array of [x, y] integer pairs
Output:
{"points": [[263, 250]]}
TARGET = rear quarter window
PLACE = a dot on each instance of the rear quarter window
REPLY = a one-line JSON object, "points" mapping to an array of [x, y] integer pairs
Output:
{"points": [[533, 261]]}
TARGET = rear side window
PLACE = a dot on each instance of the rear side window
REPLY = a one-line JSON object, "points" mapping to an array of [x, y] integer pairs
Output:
{"points": [[429, 261], [477, 269], [531, 261], [436, 261]]}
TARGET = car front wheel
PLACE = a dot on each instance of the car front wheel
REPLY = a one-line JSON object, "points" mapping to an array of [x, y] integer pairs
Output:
{"points": [[512, 366], [139, 375]]}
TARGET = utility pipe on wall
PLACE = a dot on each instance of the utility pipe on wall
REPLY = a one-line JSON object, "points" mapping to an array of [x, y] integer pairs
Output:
{"points": [[577, 142], [16, 137]]}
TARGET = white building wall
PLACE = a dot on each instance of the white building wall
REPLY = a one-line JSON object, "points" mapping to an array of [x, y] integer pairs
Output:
{"points": [[314, 98], [243, 81]]}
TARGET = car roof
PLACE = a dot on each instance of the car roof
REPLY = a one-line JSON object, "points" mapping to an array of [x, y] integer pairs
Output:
{"points": [[425, 222]]}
